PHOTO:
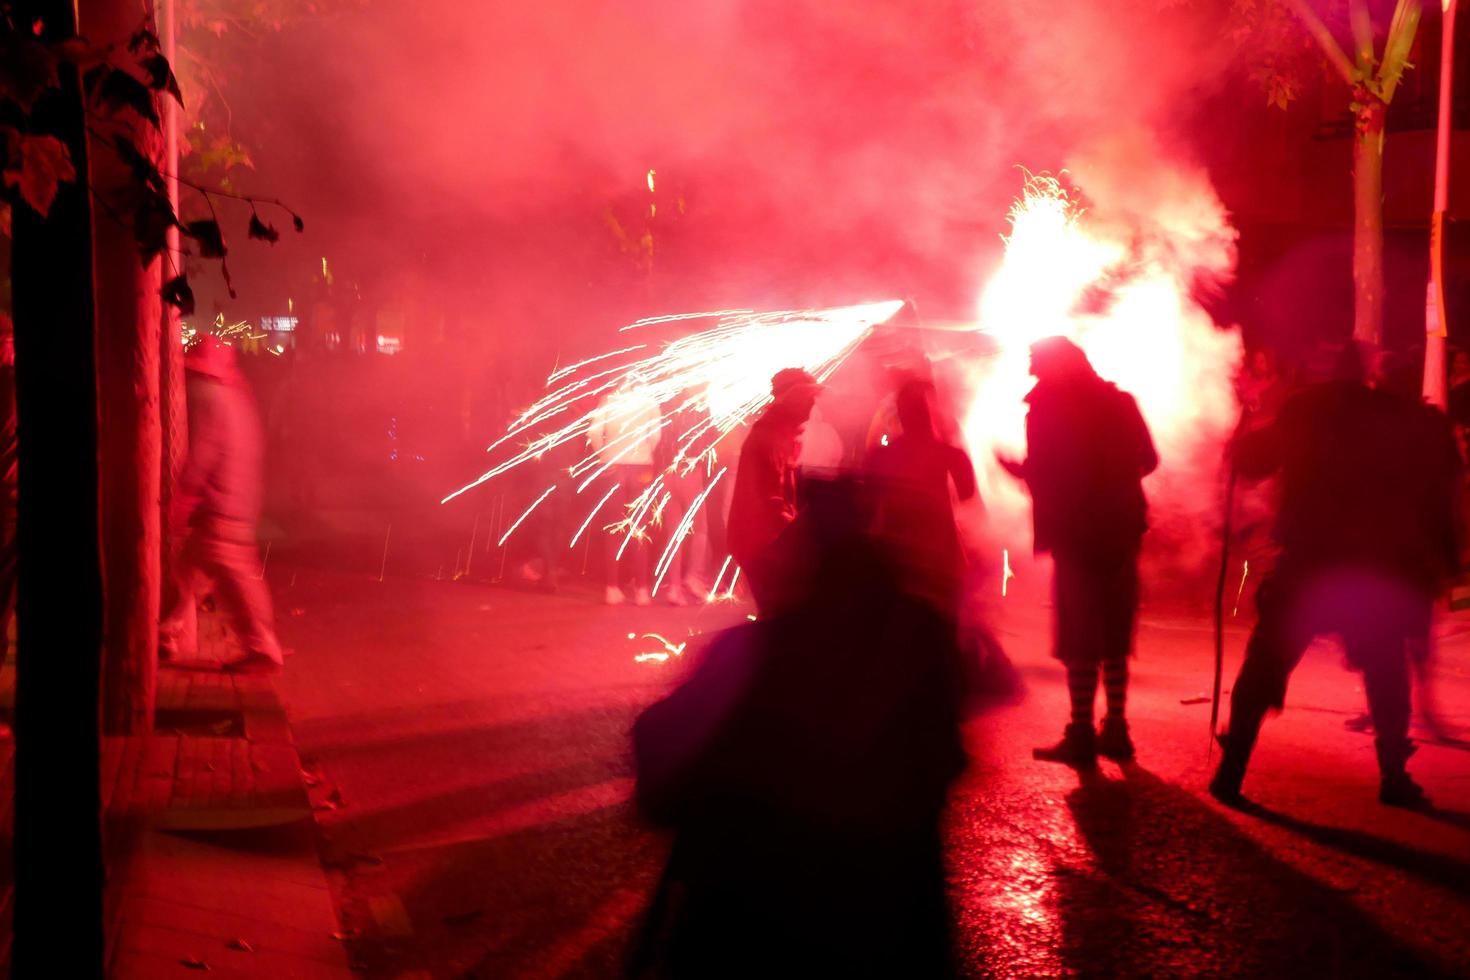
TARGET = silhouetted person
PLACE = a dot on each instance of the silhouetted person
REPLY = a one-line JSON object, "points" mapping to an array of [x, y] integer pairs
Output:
{"points": [[624, 432], [1088, 451], [803, 768], [763, 504], [1368, 529], [916, 472], [215, 511]]}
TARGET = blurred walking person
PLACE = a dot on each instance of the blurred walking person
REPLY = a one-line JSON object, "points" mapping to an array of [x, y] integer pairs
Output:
{"points": [[215, 511], [1370, 531], [763, 504], [624, 433], [1088, 450], [803, 768]]}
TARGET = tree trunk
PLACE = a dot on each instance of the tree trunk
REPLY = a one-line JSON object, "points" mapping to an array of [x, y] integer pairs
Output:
{"points": [[172, 400], [58, 840], [129, 325], [1368, 220]]}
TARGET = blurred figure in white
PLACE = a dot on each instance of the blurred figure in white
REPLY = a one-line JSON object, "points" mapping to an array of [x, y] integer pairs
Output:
{"points": [[822, 451], [214, 515], [625, 432]]}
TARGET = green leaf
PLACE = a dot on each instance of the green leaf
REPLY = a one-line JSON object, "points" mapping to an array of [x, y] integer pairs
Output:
{"points": [[27, 69], [259, 229], [152, 218], [120, 90], [211, 240], [161, 76], [38, 171], [176, 293], [144, 40], [142, 168]]}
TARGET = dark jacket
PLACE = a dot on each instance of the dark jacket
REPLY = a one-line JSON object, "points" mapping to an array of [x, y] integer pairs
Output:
{"points": [[764, 500], [1088, 450], [1368, 479]]}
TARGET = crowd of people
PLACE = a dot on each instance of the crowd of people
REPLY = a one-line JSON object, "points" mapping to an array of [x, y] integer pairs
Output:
{"points": [[829, 727], [804, 765]]}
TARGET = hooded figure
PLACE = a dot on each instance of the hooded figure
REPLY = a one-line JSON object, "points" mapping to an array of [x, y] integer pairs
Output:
{"points": [[215, 511], [763, 504], [1088, 450]]}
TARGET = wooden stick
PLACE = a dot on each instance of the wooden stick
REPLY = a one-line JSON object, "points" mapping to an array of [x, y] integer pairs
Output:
{"points": [[383, 570], [470, 555]]}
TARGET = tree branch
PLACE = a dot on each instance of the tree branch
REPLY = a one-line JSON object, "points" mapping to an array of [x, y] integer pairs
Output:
{"points": [[1362, 24], [1400, 42], [1324, 38]]}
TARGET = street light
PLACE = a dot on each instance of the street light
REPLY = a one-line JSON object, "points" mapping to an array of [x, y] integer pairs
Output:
{"points": [[1436, 320]]}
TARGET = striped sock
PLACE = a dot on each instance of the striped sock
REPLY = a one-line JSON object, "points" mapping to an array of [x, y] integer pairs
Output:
{"points": [[1082, 687], [1115, 686]]}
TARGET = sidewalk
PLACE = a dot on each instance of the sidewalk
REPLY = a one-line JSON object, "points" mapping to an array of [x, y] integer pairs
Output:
{"points": [[209, 840]]}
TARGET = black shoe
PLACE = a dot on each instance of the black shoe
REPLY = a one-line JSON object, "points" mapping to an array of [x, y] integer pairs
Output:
{"points": [[1078, 747], [1399, 789], [1225, 787], [1113, 741]]}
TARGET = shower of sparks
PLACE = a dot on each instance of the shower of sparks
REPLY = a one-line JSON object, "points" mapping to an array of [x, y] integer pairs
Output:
{"points": [[227, 332], [666, 560], [703, 386], [511, 530], [669, 651]]}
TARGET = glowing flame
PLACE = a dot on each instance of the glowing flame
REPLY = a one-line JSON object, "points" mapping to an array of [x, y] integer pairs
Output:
{"points": [[1120, 286]]}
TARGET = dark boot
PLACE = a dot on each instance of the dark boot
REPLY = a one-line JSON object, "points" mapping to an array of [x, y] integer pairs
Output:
{"points": [[1078, 747], [1113, 741], [1396, 787], [1238, 746]]}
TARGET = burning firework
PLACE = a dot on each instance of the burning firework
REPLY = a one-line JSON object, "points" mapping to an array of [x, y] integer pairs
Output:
{"points": [[705, 385], [1119, 284]]}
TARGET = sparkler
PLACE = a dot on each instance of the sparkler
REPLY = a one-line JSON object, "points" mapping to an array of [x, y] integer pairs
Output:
{"points": [[706, 384]]}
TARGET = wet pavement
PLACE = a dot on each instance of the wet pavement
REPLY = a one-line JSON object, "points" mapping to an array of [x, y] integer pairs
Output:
{"points": [[478, 740]]}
